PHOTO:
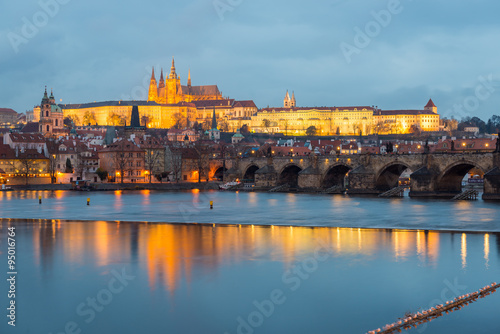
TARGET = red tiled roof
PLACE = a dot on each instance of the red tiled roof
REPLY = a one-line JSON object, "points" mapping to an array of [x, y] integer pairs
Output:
{"points": [[404, 112], [245, 104], [7, 111], [331, 109], [430, 104], [27, 138]]}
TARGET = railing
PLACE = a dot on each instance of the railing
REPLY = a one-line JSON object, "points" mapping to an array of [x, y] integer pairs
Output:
{"points": [[469, 195], [282, 187], [394, 192], [333, 190]]}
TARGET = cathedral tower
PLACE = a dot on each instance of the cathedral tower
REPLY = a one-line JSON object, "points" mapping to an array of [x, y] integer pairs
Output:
{"points": [[51, 116], [153, 89], [289, 102]]}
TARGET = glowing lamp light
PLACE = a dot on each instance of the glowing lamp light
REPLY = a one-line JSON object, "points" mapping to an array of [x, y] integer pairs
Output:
{"points": [[463, 144]]}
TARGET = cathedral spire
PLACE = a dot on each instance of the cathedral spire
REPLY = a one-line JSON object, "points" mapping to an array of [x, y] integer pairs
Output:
{"points": [[189, 78], [162, 81], [214, 120], [153, 89], [172, 75]]}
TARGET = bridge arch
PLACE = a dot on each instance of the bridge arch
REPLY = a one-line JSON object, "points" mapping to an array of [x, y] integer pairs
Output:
{"points": [[388, 176], [250, 172], [289, 174], [450, 180], [219, 173], [335, 176]]}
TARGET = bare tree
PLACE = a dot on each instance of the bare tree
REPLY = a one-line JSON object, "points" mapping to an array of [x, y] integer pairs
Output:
{"points": [[152, 160], [174, 160], [89, 118], [202, 159], [26, 166]]}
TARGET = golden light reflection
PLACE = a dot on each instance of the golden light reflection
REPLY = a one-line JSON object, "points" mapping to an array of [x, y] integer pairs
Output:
{"points": [[486, 250], [170, 252], [463, 252]]}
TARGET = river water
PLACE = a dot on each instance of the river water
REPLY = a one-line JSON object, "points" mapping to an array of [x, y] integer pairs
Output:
{"points": [[259, 263]]}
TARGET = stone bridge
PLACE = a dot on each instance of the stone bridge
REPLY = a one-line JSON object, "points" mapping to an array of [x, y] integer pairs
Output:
{"points": [[433, 174]]}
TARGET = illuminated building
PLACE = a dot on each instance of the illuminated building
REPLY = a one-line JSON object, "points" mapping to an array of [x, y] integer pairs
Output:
{"points": [[51, 116], [170, 90], [364, 120]]}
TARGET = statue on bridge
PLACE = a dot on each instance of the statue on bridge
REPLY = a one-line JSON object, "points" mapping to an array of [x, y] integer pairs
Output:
{"points": [[453, 145], [497, 147], [426, 147]]}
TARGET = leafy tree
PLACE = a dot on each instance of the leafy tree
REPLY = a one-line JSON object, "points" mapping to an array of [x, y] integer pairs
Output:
{"points": [[69, 167], [103, 174], [245, 129], [311, 131]]}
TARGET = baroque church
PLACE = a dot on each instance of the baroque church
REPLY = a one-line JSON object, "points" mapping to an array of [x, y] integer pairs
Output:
{"points": [[170, 90]]}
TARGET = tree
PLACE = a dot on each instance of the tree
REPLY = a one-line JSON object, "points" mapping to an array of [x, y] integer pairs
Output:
{"points": [[89, 118], [202, 159], [245, 129], [69, 167], [145, 121], [101, 173], [179, 121], [52, 167], [415, 129], [311, 131], [266, 124], [71, 120], [223, 125], [26, 166], [151, 159], [116, 120]]}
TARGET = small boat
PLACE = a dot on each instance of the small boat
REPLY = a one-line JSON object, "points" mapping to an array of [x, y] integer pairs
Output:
{"points": [[5, 188], [228, 185], [82, 185]]}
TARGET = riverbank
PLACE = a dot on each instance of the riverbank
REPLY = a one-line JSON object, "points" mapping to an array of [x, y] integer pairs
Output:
{"points": [[124, 186]]}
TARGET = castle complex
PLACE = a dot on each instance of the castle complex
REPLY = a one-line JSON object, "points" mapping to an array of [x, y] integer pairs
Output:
{"points": [[170, 104]]}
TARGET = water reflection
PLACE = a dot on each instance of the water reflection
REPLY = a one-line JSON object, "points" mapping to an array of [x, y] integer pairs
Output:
{"points": [[463, 250], [486, 250], [169, 252]]}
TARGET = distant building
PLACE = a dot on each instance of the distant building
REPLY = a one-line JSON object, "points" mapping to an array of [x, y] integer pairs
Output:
{"points": [[51, 116], [289, 102]]}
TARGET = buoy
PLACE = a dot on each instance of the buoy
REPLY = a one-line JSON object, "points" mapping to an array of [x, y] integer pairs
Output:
{"points": [[88, 200], [211, 205], [40, 199]]}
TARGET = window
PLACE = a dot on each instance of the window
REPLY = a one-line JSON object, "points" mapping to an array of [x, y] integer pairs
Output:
{"points": [[185, 177], [131, 164], [130, 155], [138, 155], [138, 164]]}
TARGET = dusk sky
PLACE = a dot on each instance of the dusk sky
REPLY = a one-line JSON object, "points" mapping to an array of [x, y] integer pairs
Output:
{"points": [[390, 54]]}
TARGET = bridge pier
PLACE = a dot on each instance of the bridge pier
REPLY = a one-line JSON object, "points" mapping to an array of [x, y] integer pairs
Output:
{"points": [[310, 178], [266, 177], [492, 184], [362, 182]]}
